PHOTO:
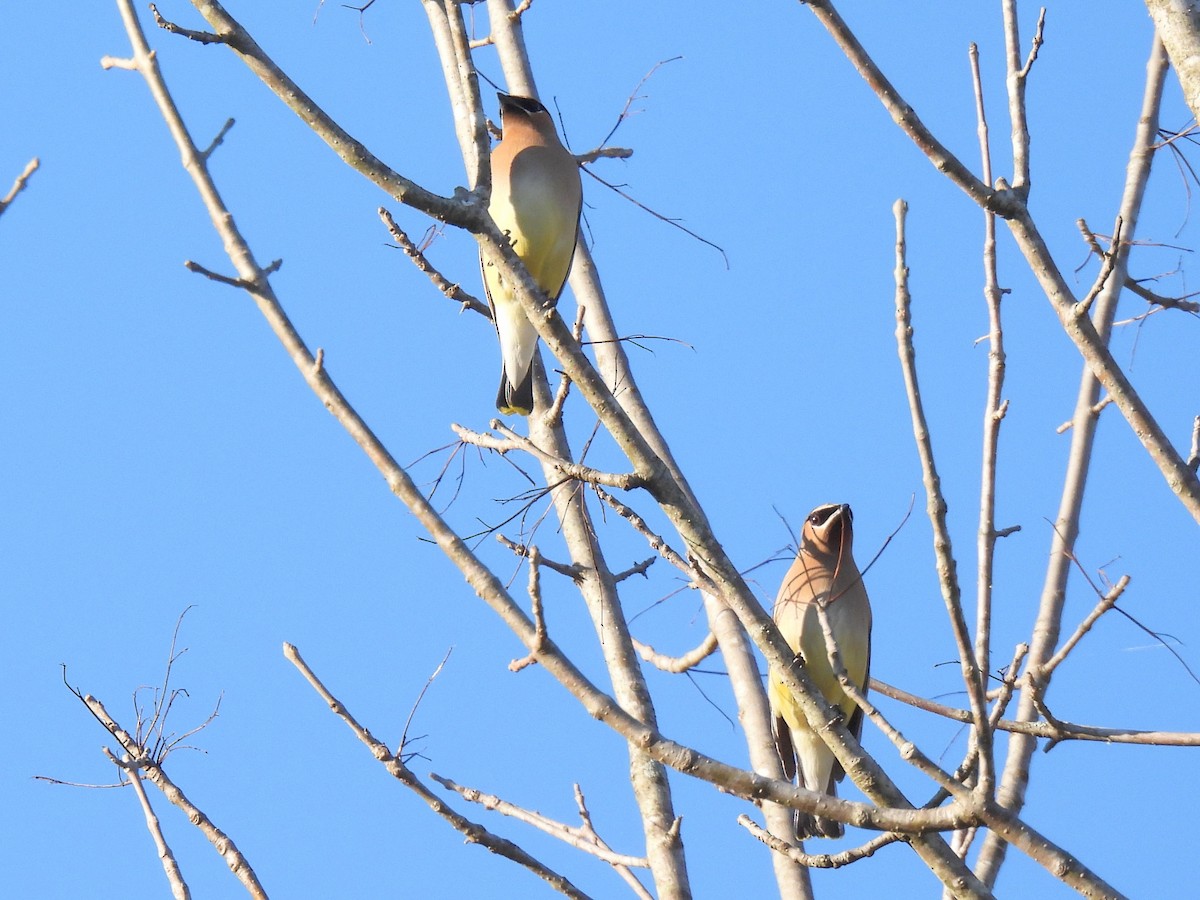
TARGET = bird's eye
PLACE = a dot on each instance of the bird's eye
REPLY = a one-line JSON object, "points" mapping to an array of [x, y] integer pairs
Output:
{"points": [[822, 515]]}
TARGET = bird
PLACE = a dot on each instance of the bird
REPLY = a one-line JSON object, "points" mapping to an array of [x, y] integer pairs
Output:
{"points": [[536, 200], [824, 574]]}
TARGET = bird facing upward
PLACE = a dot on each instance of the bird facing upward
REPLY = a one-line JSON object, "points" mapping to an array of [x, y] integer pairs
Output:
{"points": [[824, 574], [536, 200]]}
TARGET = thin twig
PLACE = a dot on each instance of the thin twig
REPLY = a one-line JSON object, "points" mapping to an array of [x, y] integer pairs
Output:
{"points": [[217, 141], [514, 16], [674, 223], [19, 184], [656, 541], [677, 664], [634, 96], [584, 839], [1108, 262], [936, 503], [553, 417], [1159, 300], [818, 861], [443, 284], [993, 413], [1104, 605], [202, 37], [908, 750], [1194, 456], [417, 703], [511, 440], [636, 569], [574, 571], [589, 829], [1094, 411], [1065, 731], [139, 759], [539, 620], [1003, 202], [474, 833], [179, 888]]}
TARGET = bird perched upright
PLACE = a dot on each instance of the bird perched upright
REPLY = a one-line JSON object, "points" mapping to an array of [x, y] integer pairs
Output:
{"points": [[536, 200], [824, 574]]}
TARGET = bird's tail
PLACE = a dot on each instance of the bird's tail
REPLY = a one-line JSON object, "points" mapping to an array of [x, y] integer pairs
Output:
{"points": [[808, 826], [815, 827], [515, 399]]}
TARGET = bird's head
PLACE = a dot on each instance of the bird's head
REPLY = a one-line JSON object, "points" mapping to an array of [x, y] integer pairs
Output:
{"points": [[828, 530], [523, 107]]}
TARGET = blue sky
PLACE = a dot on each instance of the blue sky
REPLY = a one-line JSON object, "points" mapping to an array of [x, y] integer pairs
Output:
{"points": [[162, 453]]}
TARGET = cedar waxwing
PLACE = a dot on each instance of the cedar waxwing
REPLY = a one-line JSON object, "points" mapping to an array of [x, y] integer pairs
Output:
{"points": [[825, 574], [536, 200]]}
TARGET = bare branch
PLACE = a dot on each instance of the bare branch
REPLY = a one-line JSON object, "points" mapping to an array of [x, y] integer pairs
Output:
{"points": [[1194, 456], [540, 636], [635, 569], [453, 291], [19, 184], [906, 117], [217, 141], [353, 153], [677, 664], [1159, 300], [1017, 75], [179, 888], [417, 703], [138, 759], [936, 503], [201, 37], [514, 441], [634, 97], [1107, 264], [908, 750], [674, 223], [603, 153], [514, 17], [573, 571], [822, 861], [1099, 371], [656, 542], [474, 833], [584, 838], [1106, 603], [1064, 731], [994, 407]]}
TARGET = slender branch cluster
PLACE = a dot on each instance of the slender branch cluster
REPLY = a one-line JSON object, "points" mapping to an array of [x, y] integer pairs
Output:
{"points": [[649, 495]]}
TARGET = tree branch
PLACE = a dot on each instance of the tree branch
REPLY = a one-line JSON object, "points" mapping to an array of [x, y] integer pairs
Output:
{"points": [[19, 184], [474, 833], [1047, 627], [179, 888], [936, 505], [140, 760]]}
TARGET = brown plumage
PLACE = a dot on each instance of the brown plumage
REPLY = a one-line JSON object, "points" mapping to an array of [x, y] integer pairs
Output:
{"points": [[823, 574], [536, 200]]}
